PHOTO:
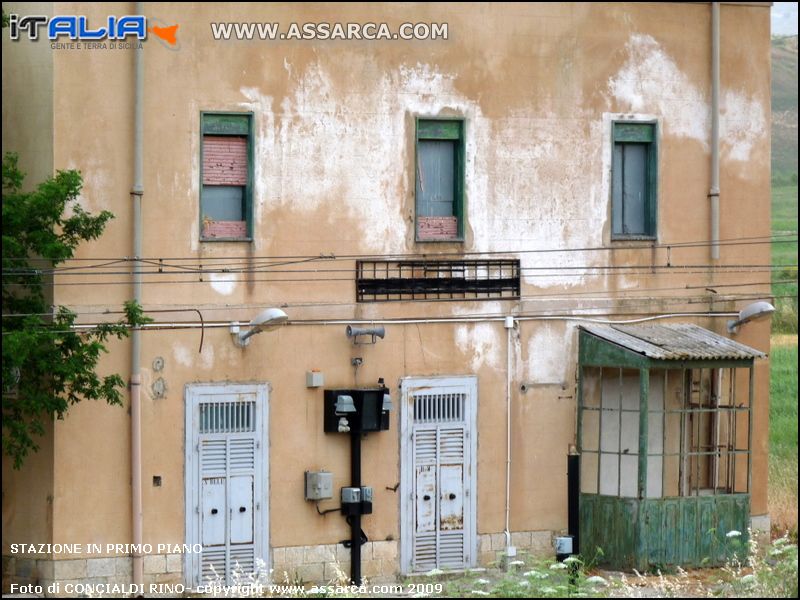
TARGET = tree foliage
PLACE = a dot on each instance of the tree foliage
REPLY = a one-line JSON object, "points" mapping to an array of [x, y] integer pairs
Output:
{"points": [[47, 364]]}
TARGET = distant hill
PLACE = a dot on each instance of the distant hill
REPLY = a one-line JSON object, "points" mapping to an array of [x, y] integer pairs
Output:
{"points": [[784, 108]]}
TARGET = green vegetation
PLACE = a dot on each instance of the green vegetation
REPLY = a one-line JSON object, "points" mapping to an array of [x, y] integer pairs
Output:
{"points": [[784, 110], [783, 435], [784, 179], [530, 579], [784, 221], [47, 365], [771, 573], [783, 359], [753, 572]]}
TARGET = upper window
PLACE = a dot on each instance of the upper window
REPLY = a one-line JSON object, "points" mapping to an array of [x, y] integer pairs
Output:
{"points": [[440, 180], [226, 159], [634, 179]]}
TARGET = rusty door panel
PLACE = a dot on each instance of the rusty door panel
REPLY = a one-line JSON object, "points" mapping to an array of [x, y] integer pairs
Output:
{"points": [[451, 497], [442, 505], [426, 499]]}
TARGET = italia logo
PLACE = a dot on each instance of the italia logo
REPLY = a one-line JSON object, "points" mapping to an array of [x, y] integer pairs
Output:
{"points": [[77, 27]]}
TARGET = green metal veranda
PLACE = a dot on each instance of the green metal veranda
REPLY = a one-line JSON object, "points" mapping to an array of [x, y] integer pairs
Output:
{"points": [[665, 437]]}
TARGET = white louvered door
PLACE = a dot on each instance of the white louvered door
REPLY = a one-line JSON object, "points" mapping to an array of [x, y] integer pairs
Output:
{"points": [[438, 432], [225, 480]]}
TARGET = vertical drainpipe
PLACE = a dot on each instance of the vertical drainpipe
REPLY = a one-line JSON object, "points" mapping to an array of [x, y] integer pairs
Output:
{"points": [[713, 193], [137, 191], [510, 550]]}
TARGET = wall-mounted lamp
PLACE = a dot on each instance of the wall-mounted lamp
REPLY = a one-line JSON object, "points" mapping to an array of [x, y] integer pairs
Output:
{"points": [[265, 321], [757, 310]]}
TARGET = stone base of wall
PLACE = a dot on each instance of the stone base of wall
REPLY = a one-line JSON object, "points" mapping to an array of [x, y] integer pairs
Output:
{"points": [[330, 563], [158, 569], [761, 523], [492, 546]]}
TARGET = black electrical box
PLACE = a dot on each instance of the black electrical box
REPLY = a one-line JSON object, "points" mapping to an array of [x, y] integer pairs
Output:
{"points": [[360, 410], [356, 501]]}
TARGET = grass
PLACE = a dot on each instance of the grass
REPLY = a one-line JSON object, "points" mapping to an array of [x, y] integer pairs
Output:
{"points": [[784, 220], [753, 571], [529, 578], [783, 435], [784, 109], [783, 464]]}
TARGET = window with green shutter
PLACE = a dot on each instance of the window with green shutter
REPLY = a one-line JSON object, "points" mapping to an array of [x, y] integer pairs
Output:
{"points": [[226, 159], [439, 178], [634, 181]]}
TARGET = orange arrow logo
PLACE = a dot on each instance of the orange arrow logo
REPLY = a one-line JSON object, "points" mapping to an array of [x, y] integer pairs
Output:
{"points": [[166, 33]]}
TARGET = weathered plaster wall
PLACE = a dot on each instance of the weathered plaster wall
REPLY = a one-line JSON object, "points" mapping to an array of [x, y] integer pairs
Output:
{"points": [[538, 86], [28, 98], [334, 126]]}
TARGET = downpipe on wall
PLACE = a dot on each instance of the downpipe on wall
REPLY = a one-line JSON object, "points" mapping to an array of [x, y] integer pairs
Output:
{"points": [[511, 551], [713, 193], [137, 191]]}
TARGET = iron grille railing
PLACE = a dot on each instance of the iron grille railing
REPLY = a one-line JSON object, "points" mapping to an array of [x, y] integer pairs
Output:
{"points": [[388, 280]]}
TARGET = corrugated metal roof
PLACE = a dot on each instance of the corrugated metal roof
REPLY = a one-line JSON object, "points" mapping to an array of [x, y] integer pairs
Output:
{"points": [[680, 341]]}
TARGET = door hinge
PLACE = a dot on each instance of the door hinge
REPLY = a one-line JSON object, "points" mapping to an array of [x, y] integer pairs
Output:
{"points": [[258, 505], [258, 444], [197, 509]]}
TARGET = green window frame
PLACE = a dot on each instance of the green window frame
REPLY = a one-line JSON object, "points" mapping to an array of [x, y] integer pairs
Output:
{"points": [[439, 180], [226, 211], [634, 181]]}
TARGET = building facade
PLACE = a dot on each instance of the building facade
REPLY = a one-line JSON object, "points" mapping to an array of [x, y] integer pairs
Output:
{"points": [[479, 196]]}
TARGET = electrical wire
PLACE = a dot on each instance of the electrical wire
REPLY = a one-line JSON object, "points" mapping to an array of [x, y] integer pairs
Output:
{"points": [[773, 238], [590, 314], [560, 268], [646, 272], [585, 295]]}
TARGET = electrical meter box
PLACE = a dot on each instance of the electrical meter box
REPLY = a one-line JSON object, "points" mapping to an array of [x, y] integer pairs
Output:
{"points": [[366, 500], [356, 501], [351, 501], [319, 485], [372, 407]]}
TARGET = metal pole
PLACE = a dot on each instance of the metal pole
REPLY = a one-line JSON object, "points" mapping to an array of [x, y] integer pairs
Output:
{"points": [[644, 419], [600, 433], [355, 520], [713, 193], [750, 400], [509, 325], [573, 498], [137, 191]]}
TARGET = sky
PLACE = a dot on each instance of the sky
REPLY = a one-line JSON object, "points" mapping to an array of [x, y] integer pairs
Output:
{"points": [[784, 18]]}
